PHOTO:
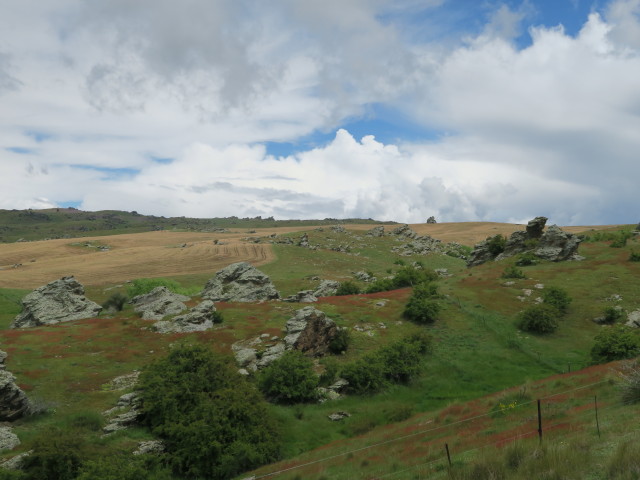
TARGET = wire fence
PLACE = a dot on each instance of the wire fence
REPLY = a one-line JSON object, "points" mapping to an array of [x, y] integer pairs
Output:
{"points": [[422, 452]]}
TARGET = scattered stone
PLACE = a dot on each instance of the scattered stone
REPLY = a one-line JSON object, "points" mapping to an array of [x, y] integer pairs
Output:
{"points": [[16, 463], [337, 416], [59, 301], [633, 319], [510, 283], [304, 241], [338, 229], [159, 303], [199, 319], [539, 286], [382, 303], [614, 298], [310, 331], [153, 447], [431, 220], [326, 288], [325, 394], [123, 382], [131, 401], [442, 272], [304, 296], [364, 277], [376, 231], [271, 354], [8, 439], [526, 292], [13, 401], [240, 282]]}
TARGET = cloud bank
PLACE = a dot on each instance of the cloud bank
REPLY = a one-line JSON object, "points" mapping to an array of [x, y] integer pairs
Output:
{"points": [[167, 108]]}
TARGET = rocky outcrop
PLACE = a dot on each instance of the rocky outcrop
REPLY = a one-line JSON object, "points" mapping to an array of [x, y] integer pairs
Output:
{"points": [[633, 319], [3, 357], [404, 232], [303, 296], [159, 303], [431, 220], [59, 301], [8, 439], [240, 282], [13, 401], [199, 319], [150, 447], [364, 277], [552, 245], [130, 404], [327, 288], [376, 232], [310, 331]]}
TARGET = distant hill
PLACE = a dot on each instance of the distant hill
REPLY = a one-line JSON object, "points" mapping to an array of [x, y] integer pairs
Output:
{"points": [[16, 225]]}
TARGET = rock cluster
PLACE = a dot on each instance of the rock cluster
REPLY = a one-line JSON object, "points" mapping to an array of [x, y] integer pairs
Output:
{"points": [[59, 301], [376, 231], [553, 244], [159, 303], [431, 219], [129, 404], [309, 331], [199, 319], [240, 282]]}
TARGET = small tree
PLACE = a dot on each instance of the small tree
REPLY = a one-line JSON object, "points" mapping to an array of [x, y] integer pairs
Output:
{"points": [[421, 310], [289, 379], [496, 244], [611, 315], [512, 272], [348, 288], [538, 319], [615, 343], [557, 298]]}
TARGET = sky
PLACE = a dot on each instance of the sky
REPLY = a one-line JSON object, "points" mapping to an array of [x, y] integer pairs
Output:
{"points": [[465, 110]]}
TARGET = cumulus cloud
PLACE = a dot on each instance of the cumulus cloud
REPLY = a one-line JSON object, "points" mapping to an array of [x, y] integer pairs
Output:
{"points": [[93, 94]]}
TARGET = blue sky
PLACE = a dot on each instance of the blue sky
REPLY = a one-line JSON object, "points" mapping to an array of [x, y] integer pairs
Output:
{"points": [[466, 110]]}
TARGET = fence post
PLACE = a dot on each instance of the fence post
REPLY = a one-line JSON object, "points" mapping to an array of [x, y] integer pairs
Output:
{"points": [[446, 447], [539, 422], [595, 402]]}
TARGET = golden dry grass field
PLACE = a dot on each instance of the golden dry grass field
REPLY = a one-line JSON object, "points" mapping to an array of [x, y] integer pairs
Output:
{"points": [[161, 253]]}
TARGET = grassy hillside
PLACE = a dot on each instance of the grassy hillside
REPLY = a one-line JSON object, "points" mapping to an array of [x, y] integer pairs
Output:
{"points": [[477, 353]]}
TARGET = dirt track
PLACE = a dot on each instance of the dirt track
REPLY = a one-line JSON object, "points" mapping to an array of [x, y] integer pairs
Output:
{"points": [[160, 254]]}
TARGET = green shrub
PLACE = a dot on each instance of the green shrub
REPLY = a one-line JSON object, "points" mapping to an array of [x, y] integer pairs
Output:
{"points": [[538, 319], [621, 239], [340, 343], [216, 317], [512, 272], [331, 368], [421, 310], [57, 455], [141, 467], [140, 286], [611, 315], [634, 257], [348, 288], [557, 298], [289, 379], [615, 343], [496, 244], [89, 420], [426, 290], [398, 362], [214, 423], [526, 259], [115, 302], [406, 276]]}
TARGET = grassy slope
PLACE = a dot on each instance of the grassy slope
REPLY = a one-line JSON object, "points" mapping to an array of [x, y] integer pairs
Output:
{"points": [[477, 349]]}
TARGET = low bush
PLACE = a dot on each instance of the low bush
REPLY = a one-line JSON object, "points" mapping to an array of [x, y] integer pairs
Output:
{"points": [[634, 257], [348, 288], [496, 244], [115, 302], [526, 259], [216, 317], [421, 310], [557, 298], [289, 379], [611, 315], [57, 455], [406, 276], [512, 272], [630, 383], [214, 423], [340, 343], [141, 467], [538, 319], [617, 342]]}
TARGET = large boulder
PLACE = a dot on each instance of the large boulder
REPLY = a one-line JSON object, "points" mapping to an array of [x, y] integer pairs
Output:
{"points": [[13, 401], [240, 282], [59, 301], [327, 288], [159, 303], [556, 245], [310, 331], [199, 319], [8, 439]]}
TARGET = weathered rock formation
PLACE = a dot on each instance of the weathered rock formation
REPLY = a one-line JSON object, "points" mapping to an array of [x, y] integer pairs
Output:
{"points": [[376, 231], [159, 303], [3, 357], [431, 219], [303, 296], [310, 331], [129, 404], [404, 231], [13, 401], [240, 282], [8, 439], [199, 319], [553, 244], [59, 301], [327, 288]]}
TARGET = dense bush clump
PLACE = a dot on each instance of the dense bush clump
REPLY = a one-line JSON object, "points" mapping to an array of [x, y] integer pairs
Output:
{"points": [[57, 455], [539, 319], [557, 298], [512, 272], [406, 276], [214, 423], [348, 288], [526, 259], [115, 302], [611, 315], [395, 363], [630, 383], [289, 379], [615, 343], [142, 467], [496, 244], [634, 257], [422, 307], [340, 343]]}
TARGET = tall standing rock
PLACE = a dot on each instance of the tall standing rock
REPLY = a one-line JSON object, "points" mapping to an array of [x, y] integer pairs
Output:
{"points": [[13, 401], [59, 301], [310, 331], [240, 282]]}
